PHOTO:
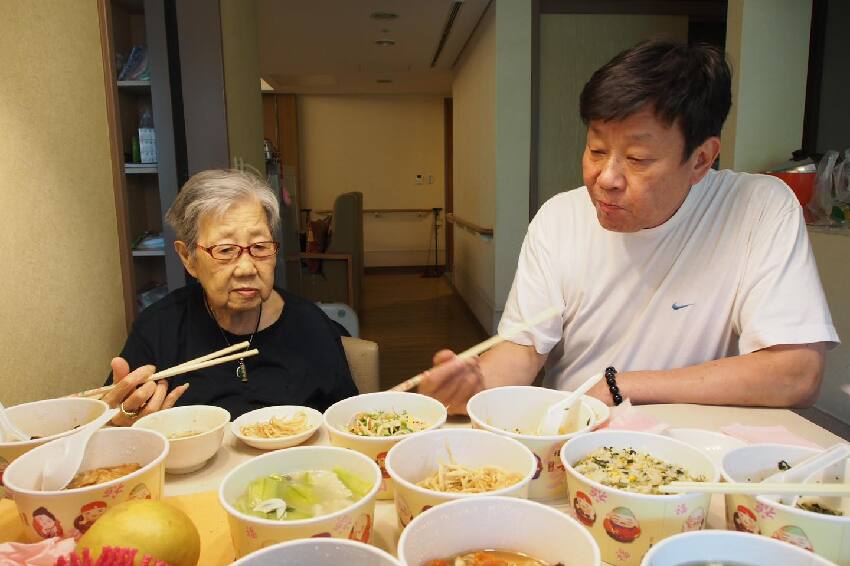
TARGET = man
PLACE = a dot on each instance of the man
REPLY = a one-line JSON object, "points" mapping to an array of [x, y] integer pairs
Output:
{"points": [[691, 285]]}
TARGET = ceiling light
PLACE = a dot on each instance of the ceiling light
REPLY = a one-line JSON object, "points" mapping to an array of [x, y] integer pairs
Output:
{"points": [[385, 42], [383, 16]]}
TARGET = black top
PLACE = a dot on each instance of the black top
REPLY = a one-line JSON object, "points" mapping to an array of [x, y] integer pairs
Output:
{"points": [[301, 360]]}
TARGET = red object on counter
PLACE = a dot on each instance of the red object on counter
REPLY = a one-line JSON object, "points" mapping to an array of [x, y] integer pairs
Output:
{"points": [[803, 184]]}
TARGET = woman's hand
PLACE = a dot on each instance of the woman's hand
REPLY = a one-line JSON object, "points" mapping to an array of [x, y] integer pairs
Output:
{"points": [[452, 381], [135, 394]]}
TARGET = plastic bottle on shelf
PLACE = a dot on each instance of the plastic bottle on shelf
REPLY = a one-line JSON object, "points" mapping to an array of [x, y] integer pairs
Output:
{"points": [[147, 137]]}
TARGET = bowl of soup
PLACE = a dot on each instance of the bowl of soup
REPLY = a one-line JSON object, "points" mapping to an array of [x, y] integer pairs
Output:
{"points": [[448, 464], [194, 434], [813, 526], [300, 493], [516, 412], [613, 479], [373, 423], [46, 420], [119, 464], [489, 528], [319, 552], [276, 427], [725, 548]]}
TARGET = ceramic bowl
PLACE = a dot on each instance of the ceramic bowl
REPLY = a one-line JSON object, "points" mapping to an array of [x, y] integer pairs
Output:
{"points": [[497, 523], [415, 458], [71, 512], [314, 419], [319, 552], [190, 453], [725, 547], [828, 536], [516, 411], [251, 533], [626, 524], [48, 419], [339, 415]]}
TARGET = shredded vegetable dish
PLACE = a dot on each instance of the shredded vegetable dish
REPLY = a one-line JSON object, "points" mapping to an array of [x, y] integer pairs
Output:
{"points": [[455, 478], [277, 427], [384, 423], [630, 470], [489, 558], [101, 475]]}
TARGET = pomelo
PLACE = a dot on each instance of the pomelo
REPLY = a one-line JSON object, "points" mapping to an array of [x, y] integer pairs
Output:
{"points": [[155, 528]]}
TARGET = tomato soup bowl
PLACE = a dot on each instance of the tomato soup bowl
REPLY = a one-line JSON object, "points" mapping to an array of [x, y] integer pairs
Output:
{"points": [[516, 412], [497, 523], [338, 416], [418, 457], [48, 419], [251, 533], [826, 535], [70, 512], [626, 524], [319, 552], [725, 547]]}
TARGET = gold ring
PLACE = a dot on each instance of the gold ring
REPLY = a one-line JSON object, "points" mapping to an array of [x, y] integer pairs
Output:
{"points": [[128, 414]]}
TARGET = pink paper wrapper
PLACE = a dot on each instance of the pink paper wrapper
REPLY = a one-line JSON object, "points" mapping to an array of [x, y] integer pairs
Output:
{"points": [[44, 553], [627, 417], [766, 434]]}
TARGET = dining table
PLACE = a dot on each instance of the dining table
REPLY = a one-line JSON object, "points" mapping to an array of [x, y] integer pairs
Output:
{"points": [[196, 493]]}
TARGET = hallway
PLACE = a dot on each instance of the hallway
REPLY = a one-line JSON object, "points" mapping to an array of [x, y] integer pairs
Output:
{"points": [[411, 318]]}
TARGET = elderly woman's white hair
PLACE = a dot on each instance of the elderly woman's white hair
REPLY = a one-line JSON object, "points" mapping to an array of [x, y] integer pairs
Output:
{"points": [[214, 192]]}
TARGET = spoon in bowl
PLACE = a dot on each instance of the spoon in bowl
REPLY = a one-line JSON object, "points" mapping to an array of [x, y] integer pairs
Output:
{"points": [[11, 433], [66, 454], [556, 414], [807, 468]]}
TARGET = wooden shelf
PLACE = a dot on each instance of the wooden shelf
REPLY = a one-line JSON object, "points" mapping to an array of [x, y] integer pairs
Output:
{"points": [[141, 168], [135, 86], [148, 253]]}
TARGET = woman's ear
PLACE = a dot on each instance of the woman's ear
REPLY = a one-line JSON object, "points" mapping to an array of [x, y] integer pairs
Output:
{"points": [[188, 262]]}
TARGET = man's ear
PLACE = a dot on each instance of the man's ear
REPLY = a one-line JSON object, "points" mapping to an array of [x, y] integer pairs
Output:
{"points": [[704, 157], [188, 262]]}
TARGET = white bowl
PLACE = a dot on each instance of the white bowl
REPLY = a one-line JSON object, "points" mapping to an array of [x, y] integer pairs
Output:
{"points": [[627, 524], [319, 552], [730, 547], [314, 419], [715, 445], [506, 410], [251, 533], [415, 458], [498, 523], [68, 510], [339, 415], [190, 453]]}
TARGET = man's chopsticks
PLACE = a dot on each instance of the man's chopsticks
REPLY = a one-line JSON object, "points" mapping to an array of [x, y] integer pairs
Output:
{"points": [[823, 489], [551, 312], [208, 360]]}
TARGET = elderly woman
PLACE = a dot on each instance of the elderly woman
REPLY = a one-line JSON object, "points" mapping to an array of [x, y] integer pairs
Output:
{"points": [[224, 223]]}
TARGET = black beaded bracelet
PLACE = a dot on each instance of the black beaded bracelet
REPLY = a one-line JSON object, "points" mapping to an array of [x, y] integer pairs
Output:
{"points": [[611, 379]]}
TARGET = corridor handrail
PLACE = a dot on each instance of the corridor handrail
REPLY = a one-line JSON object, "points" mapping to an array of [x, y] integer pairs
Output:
{"points": [[471, 226]]}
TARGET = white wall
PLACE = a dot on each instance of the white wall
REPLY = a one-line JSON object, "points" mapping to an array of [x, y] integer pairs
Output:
{"points": [[767, 42], [377, 144]]}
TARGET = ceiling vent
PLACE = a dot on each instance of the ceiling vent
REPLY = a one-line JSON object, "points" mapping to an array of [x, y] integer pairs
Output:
{"points": [[447, 29]]}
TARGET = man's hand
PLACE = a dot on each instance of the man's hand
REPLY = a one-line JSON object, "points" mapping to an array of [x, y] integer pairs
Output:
{"points": [[137, 394], [452, 381]]}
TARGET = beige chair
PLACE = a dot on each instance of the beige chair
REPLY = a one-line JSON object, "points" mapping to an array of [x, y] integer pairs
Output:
{"points": [[362, 358]]}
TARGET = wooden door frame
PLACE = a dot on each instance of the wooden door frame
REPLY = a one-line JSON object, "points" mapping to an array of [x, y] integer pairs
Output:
{"points": [[448, 171]]}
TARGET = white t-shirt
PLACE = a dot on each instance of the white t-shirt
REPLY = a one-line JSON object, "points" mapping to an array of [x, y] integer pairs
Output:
{"points": [[731, 272]]}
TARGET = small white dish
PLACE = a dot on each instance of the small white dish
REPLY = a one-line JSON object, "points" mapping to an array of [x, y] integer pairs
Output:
{"points": [[314, 420], [715, 445]]}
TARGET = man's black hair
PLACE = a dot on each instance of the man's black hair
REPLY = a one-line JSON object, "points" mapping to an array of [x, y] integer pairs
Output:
{"points": [[691, 84]]}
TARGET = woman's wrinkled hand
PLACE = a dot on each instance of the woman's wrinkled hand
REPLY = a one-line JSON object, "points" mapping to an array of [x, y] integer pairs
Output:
{"points": [[452, 381], [136, 395]]}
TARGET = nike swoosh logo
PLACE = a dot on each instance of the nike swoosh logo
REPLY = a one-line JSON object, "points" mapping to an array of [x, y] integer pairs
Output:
{"points": [[677, 306]]}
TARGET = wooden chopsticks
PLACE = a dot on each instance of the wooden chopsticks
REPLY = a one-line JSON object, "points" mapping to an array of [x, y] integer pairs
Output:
{"points": [[208, 360]]}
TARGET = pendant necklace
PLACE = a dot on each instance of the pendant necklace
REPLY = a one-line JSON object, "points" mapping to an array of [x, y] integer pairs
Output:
{"points": [[241, 370]]}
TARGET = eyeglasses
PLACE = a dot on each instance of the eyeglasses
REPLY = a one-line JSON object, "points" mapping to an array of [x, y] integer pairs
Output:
{"points": [[229, 252]]}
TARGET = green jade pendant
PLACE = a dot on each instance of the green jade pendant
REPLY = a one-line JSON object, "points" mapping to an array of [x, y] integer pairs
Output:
{"points": [[242, 371]]}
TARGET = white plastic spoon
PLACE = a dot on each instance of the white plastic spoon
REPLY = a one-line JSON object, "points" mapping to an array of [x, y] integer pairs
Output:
{"points": [[799, 472], [835, 475], [11, 433], [66, 454], [555, 415]]}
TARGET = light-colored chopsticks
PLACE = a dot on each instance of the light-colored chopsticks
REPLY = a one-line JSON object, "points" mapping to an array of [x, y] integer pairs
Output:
{"points": [[824, 489], [487, 344], [208, 360]]}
